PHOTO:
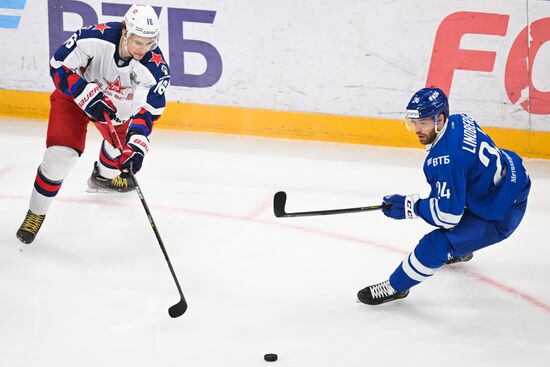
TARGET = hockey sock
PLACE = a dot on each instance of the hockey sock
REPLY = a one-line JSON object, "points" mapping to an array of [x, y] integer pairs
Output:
{"points": [[430, 254], [56, 165], [107, 166]]}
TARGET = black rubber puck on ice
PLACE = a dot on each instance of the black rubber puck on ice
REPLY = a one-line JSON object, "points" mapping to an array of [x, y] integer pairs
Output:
{"points": [[270, 357]]}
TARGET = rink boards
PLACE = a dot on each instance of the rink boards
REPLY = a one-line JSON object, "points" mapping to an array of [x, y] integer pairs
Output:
{"points": [[284, 124]]}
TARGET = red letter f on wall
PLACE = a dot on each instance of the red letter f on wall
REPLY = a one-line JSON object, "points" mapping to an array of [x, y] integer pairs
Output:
{"points": [[447, 55]]}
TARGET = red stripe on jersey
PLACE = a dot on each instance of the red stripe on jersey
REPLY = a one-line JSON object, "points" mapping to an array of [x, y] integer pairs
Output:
{"points": [[143, 111], [56, 80], [138, 121], [72, 80]]}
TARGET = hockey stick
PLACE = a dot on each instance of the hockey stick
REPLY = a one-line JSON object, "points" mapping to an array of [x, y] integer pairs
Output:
{"points": [[279, 201], [179, 308]]}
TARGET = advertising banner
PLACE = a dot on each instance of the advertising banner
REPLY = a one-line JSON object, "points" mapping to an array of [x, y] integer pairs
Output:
{"points": [[345, 58]]}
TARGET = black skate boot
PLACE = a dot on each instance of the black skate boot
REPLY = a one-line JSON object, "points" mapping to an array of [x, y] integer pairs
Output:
{"points": [[28, 230], [98, 183], [460, 259], [380, 293]]}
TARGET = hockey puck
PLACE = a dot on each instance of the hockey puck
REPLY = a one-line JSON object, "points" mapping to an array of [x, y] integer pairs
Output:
{"points": [[270, 357]]}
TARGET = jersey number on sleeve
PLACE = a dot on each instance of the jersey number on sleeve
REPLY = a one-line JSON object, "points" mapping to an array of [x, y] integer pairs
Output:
{"points": [[70, 42], [442, 190], [161, 86], [485, 147]]}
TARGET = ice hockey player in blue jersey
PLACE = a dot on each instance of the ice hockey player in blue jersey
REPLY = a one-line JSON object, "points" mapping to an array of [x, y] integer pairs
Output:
{"points": [[478, 195], [113, 69]]}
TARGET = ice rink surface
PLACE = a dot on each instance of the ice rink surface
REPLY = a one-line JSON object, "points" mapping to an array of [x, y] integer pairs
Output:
{"points": [[94, 288]]}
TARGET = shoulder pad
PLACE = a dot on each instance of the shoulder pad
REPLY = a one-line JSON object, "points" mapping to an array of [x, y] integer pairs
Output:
{"points": [[106, 31]]}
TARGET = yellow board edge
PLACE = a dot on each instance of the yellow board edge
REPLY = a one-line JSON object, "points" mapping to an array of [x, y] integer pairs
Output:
{"points": [[284, 124]]}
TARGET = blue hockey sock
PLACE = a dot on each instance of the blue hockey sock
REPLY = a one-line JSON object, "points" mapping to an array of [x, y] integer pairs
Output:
{"points": [[409, 273], [430, 254]]}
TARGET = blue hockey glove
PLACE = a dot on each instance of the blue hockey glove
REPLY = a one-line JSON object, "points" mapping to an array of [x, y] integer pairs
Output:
{"points": [[95, 103], [133, 153], [400, 206]]}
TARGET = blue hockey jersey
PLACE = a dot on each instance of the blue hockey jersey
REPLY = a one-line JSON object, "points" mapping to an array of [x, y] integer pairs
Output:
{"points": [[467, 171], [136, 87]]}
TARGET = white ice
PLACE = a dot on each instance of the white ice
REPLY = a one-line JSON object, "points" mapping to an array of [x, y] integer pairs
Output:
{"points": [[93, 289]]}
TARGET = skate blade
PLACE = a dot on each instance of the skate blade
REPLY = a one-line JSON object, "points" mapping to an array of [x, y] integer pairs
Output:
{"points": [[100, 190]]}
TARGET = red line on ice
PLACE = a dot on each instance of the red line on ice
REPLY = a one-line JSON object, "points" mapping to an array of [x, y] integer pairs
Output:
{"points": [[252, 218]]}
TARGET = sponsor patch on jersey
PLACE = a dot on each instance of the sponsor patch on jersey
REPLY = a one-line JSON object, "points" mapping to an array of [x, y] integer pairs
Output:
{"points": [[438, 161]]}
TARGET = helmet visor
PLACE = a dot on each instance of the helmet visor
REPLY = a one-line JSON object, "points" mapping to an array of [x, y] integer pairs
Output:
{"points": [[145, 43], [413, 124]]}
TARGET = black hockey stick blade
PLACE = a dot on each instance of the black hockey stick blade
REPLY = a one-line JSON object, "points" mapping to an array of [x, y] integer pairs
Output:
{"points": [[279, 201], [178, 309]]}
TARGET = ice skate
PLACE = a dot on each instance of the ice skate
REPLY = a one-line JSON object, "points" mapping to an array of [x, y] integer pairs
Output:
{"points": [[460, 259], [98, 183], [380, 293], [30, 227]]}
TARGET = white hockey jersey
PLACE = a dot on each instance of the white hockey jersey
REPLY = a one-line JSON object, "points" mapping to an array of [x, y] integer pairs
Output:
{"points": [[91, 55]]}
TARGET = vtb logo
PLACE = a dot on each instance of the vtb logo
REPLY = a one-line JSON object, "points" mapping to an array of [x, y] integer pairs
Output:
{"points": [[10, 13]]}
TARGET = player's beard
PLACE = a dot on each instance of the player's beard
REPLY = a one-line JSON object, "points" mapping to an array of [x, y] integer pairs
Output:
{"points": [[426, 139]]}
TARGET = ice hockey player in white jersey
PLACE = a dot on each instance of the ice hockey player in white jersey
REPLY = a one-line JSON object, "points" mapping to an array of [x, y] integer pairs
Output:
{"points": [[478, 195], [114, 69]]}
